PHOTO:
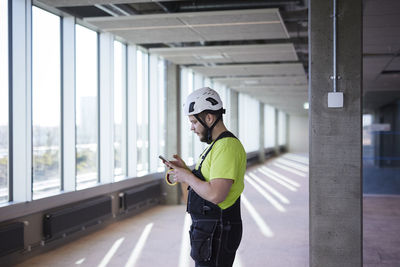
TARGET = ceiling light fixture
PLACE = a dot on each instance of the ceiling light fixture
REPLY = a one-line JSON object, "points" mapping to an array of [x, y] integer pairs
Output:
{"points": [[210, 56], [249, 82], [192, 26]]}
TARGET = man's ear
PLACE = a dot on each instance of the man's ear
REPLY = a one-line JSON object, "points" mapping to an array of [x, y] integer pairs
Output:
{"points": [[210, 118]]}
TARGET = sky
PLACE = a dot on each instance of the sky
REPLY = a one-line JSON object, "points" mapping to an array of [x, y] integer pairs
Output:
{"points": [[46, 76]]}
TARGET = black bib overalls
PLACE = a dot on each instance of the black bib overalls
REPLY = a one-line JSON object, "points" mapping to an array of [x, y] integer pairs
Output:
{"points": [[215, 234]]}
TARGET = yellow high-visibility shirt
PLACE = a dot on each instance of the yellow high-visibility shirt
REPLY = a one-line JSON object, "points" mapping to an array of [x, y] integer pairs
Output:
{"points": [[227, 160]]}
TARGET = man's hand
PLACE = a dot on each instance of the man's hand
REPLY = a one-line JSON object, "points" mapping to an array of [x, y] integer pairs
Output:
{"points": [[180, 173], [215, 191], [178, 162]]}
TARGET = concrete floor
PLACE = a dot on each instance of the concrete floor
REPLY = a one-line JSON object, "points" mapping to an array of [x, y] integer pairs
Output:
{"points": [[275, 218], [381, 231]]}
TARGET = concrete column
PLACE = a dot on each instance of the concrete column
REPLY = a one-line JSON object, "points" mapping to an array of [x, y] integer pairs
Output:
{"points": [[174, 106], [276, 146], [261, 155], [335, 136], [234, 111]]}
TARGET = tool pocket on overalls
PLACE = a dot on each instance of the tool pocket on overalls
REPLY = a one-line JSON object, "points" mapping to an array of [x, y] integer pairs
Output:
{"points": [[201, 239], [232, 235]]}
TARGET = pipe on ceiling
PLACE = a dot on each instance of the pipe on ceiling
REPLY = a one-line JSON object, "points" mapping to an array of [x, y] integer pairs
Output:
{"points": [[237, 5]]}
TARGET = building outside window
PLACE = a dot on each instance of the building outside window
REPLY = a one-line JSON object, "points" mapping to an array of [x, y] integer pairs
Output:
{"points": [[120, 143], [46, 107], [142, 113], [86, 107], [4, 173]]}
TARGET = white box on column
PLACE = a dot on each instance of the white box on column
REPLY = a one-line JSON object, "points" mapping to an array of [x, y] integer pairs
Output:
{"points": [[335, 100]]}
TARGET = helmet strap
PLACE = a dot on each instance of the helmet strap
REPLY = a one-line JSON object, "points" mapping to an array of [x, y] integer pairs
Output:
{"points": [[209, 129]]}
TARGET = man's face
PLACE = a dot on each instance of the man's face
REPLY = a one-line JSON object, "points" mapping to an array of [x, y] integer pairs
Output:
{"points": [[198, 128]]}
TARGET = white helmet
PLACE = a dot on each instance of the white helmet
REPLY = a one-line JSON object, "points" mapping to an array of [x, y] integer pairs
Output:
{"points": [[202, 99]]}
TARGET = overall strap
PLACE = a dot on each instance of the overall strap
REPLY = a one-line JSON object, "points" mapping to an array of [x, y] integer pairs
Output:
{"points": [[222, 135]]}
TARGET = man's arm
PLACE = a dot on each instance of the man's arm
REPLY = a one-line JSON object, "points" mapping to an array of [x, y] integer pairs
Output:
{"points": [[214, 191]]}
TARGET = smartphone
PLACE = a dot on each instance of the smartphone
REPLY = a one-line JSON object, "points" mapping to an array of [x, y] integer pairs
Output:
{"points": [[162, 158]]}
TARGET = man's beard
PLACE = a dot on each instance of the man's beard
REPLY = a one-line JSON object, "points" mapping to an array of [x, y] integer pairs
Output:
{"points": [[203, 135]]}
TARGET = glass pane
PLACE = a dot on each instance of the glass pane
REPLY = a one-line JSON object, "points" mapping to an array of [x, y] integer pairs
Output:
{"points": [[223, 92], [142, 114], [86, 108], [381, 148], [281, 128], [162, 98], [3, 101], [46, 108], [208, 83], [187, 145], [119, 111], [249, 130], [269, 126], [198, 145]]}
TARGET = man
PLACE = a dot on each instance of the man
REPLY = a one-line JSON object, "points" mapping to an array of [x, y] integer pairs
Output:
{"points": [[215, 184]]}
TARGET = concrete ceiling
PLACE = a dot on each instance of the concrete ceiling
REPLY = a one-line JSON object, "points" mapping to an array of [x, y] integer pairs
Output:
{"points": [[243, 70], [266, 40], [214, 36], [264, 81], [222, 61], [196, 55], [196, 26]]}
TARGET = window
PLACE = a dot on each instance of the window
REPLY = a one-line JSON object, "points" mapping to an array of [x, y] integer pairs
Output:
{"points": [[223, 92], [4, 183], [157, 91], [198, 145], [249, 130], [142, 114], [162, 99], [46, 107], [269, 126], [120, 159], [281, 128], [86, 107], [187, 143], [208, 83]]}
